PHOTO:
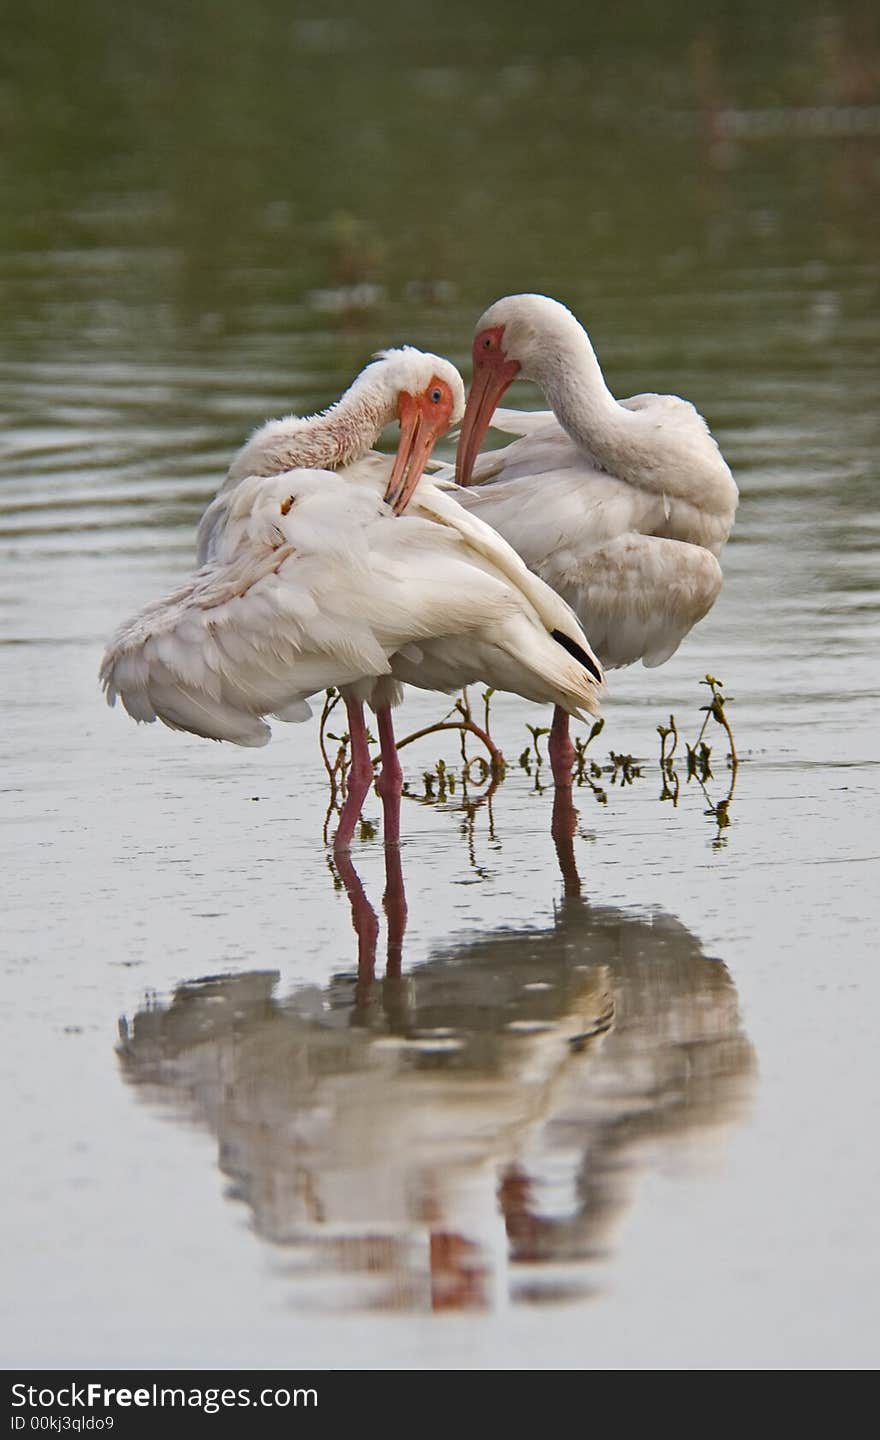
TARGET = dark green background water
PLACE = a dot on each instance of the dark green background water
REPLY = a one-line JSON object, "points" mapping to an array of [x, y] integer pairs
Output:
{"points": [[203, 167]]}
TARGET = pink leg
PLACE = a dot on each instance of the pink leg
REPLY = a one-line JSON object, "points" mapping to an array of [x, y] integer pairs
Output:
{"points": [[390, 784], [560, 748], [394, 902], [360, 776]]}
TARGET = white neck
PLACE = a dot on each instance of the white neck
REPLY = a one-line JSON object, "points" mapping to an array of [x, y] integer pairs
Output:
{"points": [[675, 457], [572, 380], [326, 441]]}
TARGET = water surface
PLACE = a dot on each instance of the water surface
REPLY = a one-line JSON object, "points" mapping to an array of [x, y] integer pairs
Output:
{"points": [[607, 1105]]}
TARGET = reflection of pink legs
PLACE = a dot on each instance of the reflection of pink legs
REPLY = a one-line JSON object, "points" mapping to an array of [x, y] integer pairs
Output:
{"points": [[390, 786], [459, 1273], [563, 829], [363, 918], [560, 748], [390, 783], [360, 775], [522, 1225], [394, 902]]}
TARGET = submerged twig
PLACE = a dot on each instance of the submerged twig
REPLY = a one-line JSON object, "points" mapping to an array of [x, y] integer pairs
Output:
{"points": [[466, 725], [331, 700], [336, 769]]}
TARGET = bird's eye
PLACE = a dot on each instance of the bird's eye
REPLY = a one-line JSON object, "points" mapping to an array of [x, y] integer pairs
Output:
{"points": [[436, 395], [487, 342]]}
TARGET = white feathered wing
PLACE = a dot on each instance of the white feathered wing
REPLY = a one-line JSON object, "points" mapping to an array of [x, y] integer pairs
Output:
{"points": [[314, 584]]}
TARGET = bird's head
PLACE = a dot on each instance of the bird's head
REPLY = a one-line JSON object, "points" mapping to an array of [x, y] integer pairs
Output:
{"points": [[521, 335], [427, 394]]}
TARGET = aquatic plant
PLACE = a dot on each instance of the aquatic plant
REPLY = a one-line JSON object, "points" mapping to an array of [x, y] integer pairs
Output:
{"points": [[699, 758], [472, 783], [466, 725]]}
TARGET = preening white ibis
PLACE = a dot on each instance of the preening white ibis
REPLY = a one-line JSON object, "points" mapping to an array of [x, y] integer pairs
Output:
{"points": [[622, 506], [360, 580], [341, 438]]}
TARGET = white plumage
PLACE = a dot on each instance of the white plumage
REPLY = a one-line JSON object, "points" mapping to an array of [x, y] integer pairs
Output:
{"points": [[516, 649], [362, 580], [316, 583], [621, 506], [339, 438]]}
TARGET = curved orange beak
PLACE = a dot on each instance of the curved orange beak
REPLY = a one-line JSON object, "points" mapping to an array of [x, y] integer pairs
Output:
{"points": [[419, 433], [492, 376]]}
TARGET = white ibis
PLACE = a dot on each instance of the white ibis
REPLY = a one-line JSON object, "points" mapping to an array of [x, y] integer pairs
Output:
{"points": [[622, 506], [361, 580], [339, 438]]}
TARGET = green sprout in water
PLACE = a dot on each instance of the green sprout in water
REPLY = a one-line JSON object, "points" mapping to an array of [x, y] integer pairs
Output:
{"points": [[698, 758], [668, 745], [581, 747], [715, 710], [532, 753], [588, 771], [624, 769]]}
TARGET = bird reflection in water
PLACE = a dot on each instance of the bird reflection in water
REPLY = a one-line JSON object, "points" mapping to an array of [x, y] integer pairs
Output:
{"points": [[464, 1135]]}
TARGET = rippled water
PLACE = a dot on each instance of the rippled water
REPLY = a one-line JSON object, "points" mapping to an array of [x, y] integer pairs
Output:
{"points": [[611, 1104]]}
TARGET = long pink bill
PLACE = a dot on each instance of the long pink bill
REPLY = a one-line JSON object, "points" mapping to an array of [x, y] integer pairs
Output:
{"points": [[490, 381], [418, 436]]}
